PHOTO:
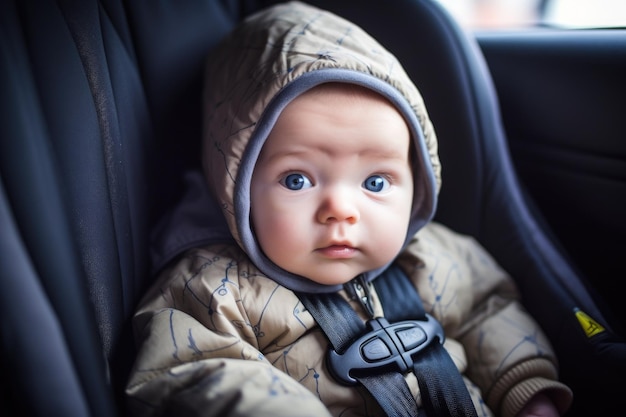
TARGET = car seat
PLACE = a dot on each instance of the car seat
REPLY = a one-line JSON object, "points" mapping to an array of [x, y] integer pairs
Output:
{"points": [[100, 119]]}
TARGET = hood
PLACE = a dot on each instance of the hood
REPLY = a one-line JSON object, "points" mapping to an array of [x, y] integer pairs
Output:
{"points": [[271, 58]]}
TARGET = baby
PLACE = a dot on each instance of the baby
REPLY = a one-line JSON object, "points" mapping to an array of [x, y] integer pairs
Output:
{"points": [[319, 151]]}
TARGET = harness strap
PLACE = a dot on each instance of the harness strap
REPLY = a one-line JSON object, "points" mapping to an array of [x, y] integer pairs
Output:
{"points": [[443, 391], [342, 325], [442, 388]]}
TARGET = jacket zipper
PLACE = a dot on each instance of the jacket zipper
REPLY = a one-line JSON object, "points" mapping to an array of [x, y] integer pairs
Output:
{"points": [[359, 289]]}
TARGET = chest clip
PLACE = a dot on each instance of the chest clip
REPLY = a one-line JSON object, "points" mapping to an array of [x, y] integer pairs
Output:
{"points": [[384, 348]]}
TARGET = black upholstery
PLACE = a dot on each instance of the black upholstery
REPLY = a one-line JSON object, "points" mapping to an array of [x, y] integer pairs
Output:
{"points": [[100, 115]]}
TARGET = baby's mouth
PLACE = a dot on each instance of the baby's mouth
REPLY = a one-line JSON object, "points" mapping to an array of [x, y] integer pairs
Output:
{"points": [[338, 251]]}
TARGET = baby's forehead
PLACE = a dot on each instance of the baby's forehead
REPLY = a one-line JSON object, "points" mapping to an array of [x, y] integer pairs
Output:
{"points": [[339, 119], [343, 90]]}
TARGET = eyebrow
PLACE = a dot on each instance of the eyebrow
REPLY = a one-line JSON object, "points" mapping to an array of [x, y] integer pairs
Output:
{"points": [[387, 153], [391, 153]]}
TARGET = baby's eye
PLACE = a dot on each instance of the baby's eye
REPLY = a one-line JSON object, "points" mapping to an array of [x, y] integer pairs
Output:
{"points": [[376, 183], [296, 181]]}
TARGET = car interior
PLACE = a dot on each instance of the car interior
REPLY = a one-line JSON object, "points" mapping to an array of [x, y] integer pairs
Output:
{"points": [[101, 119]]}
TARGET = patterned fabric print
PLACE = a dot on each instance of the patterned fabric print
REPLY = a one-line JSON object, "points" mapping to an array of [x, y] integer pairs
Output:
{"points": [[225, 322]]}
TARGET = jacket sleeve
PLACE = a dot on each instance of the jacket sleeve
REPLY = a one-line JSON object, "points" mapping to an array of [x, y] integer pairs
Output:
{"points": [[506, 354], [199, 357]]}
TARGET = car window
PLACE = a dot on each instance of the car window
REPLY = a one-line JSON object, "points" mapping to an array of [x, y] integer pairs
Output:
{"points": [[510, 14], [585, 13]]}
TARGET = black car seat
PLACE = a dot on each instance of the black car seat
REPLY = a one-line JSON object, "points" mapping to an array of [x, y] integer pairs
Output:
{"points": [[100, 117]]}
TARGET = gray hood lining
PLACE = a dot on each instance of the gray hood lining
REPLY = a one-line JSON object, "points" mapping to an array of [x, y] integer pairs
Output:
{"points": [[425, 195]]}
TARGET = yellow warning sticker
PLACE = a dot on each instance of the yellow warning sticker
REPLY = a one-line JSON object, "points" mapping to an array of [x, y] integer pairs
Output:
{"points": [[589, 325]]}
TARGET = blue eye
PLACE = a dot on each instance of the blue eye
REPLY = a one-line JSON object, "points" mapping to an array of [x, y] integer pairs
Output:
{"points": [[296, 182], [376, 183]]}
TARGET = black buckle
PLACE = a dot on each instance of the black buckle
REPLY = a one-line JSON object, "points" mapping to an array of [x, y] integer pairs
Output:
{"points": [[385, 347]]}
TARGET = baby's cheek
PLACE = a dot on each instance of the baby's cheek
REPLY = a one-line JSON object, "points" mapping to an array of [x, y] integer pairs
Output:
{"points": [[390, 237], [281, 237]]}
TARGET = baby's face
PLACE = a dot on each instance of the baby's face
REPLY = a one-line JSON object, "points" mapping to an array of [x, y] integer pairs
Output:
{"points": [[332, 189]]}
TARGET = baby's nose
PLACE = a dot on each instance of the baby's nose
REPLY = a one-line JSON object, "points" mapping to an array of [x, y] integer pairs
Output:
{"points": [[338, 205]]}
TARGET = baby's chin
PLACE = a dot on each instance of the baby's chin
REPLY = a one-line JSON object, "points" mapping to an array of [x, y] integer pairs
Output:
{"points": [[331, 281], [331, 278]]}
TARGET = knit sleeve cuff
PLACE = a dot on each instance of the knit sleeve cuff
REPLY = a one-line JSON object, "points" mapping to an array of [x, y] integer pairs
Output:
{"points": [[521, 393], [517, 386]]}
